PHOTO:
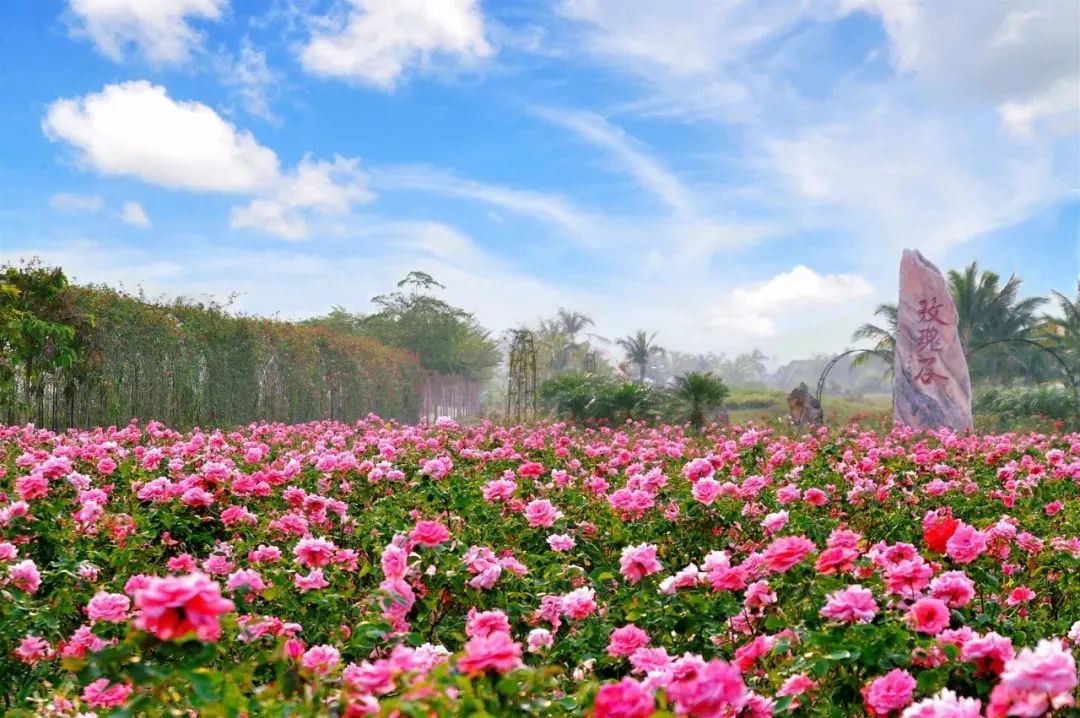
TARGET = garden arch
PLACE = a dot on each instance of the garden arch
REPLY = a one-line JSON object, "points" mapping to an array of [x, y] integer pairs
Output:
{"points": [[521, 386], [1070, 378], [879, 353]]}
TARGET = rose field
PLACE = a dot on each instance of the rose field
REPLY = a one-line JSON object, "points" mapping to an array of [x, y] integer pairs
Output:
{"points": [[387, 569]]}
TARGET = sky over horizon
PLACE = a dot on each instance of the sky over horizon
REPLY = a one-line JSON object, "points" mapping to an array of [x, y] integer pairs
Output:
{"points": [[730, 174]]}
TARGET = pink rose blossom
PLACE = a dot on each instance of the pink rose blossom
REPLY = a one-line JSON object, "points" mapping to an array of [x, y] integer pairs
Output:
{"points": [[637, 562], [626, 640], [541, 513], [890, 692], [102, 694], [496, 652], [177, 606], [429, 533], [966, 544], [929, 615], [321, 660], [109, 607], [626, 699], [853, 604]]}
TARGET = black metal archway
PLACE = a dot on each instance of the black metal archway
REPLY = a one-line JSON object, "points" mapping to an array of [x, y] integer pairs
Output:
{"points": [[1070, 378], [879, 353]]}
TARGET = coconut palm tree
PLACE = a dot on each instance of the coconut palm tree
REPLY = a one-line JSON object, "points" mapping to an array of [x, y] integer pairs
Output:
{"points": [[1063, 333], [639, 348], [987, 312], [750, 366], [572, 323], [696, 394], [883, 335]]}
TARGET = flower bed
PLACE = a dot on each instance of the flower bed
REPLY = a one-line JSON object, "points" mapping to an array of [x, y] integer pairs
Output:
{"points": [[329, 569]]}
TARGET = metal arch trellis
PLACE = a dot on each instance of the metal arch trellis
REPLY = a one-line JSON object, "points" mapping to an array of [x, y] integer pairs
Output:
{"points": [[1069, 376], [521, 387], [880, 353]]}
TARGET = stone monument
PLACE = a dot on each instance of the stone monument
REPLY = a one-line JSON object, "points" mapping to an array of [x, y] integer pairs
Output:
{"points": [[931, 387], [805, 410]]}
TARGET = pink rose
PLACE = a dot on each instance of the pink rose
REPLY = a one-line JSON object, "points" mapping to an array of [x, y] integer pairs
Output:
{"points": [[321, 660], [624, 641], [495, 652], [783, 553], [890, 692], [177, 606], [853, 604], [541, 513], [637, 562], [966, 544], [109, 607], [625, 699], [429, 533], [929, 615]]}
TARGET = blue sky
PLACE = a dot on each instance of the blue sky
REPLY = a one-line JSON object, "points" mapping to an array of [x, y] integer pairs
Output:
{"points": [[732, 174]]}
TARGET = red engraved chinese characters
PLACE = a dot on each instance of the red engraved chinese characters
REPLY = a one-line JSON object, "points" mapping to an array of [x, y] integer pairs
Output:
{"points": [[928, 342]]}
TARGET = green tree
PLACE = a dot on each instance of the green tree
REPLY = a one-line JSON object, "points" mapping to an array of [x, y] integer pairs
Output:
{"points": [[444, 338], [624, 401], [1063, 333], [639, 348], [696, 395], [36, 332]]}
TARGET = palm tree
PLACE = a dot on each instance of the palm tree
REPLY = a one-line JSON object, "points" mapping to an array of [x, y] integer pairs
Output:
{"points": [[572, 323], [883, 335], [627, 401], [1063, 332], [750, 366], [698, 393], [639, 348], [988, 313]]}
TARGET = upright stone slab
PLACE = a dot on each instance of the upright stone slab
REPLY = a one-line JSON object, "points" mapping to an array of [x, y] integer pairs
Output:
{"points": [[932, 387]]}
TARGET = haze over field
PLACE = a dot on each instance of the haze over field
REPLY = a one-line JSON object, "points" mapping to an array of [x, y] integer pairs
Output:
{"points": [[735, 175]]}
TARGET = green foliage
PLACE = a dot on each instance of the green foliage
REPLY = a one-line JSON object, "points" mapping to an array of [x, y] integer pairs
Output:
{"points": [[640, 347], [695, 395], [37, 332], [1019, 407], [582, 397], [94, 356], [444, 338]]}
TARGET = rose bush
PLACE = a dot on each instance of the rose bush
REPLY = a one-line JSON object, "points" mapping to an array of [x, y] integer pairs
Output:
{"points": [[378, 568]]}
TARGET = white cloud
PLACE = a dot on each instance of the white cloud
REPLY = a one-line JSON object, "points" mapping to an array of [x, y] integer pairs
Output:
{"points": [[135, 129], [1056, 109], [697, 57], [70, 202], [160, 29], [896, 176], [798, 289], [631, 156], [375, 42], [916, 156], [1010, 54], [268, 216], [251, 79], [548, 208], [325, 188], [134, 214]]}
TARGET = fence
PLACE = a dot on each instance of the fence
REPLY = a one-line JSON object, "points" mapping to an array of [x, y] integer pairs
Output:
{"points": [[188, 364], [451, 396]]}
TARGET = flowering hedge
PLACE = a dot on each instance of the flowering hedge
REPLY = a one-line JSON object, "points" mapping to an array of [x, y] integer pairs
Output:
{"points": [[377, 568]]}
